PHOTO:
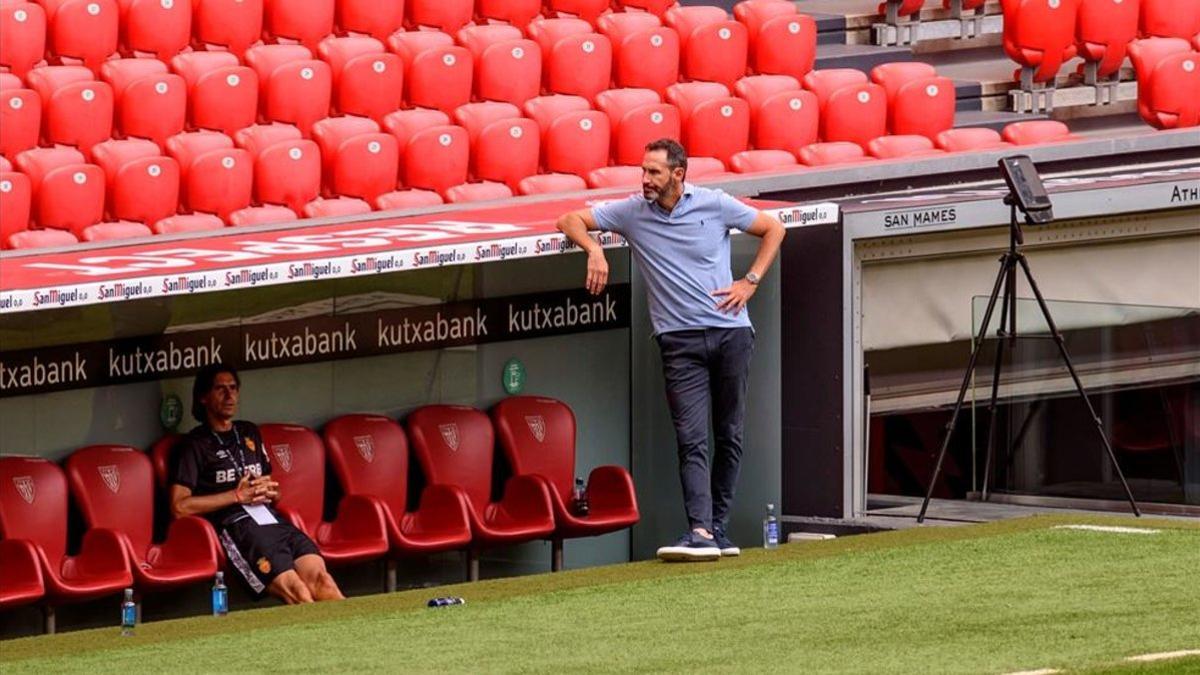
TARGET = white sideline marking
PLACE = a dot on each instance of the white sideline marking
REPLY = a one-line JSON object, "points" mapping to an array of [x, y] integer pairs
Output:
{"points": [[1108, 528], [1163, 656], [1043, 671]]}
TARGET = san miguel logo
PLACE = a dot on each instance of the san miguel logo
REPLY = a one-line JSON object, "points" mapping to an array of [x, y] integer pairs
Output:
{"points": [[24, 485], [111, 476], [366, 448], [283, 455], [450, 435], [537, 426]]}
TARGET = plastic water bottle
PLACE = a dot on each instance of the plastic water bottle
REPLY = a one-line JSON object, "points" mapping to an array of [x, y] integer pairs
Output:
{"points": [[220, 596], [580, 498], [770, 528], [128, 614]]}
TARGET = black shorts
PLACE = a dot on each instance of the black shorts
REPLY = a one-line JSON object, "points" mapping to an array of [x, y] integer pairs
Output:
{"points": [[259, 553]]}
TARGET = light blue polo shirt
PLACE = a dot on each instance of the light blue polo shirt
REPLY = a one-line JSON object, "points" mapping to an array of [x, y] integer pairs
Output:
{"points": [[683, 255]]}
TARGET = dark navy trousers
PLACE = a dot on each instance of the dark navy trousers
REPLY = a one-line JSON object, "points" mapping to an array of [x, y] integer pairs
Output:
{"points": [[707, 368]]}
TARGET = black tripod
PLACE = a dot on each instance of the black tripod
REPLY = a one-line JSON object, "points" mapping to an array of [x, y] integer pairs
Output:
{"points": [[1006, 282]]}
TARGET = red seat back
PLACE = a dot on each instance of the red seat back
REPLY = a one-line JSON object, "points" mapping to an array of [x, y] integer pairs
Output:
{"points": [[234, 24], [288, 174], [440, 78], [156, 27], [298, 465], [20, 121], [370, 17], [454, 445], [436, 158], [577, 143], [33, 504], [786, 45], [22, 36], [114, 488], [369, 455], [1040, 34], [507, 151], [537, 435], [1104, 30], [15, 203]]}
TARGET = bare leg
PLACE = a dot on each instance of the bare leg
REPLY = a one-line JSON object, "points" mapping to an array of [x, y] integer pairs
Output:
{"points": [[290, 588], [311, 569]]}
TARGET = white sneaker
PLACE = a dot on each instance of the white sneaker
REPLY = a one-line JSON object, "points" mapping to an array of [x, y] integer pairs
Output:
{"points": [[728, 550], [691, 547]]}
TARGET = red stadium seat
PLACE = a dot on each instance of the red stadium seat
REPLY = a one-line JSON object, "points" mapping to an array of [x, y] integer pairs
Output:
{"points": [[754, 13], [703, 167], [234, 25], [41, 239], [254, 139], [588, 10], [149, 102], [1167, 75], [969, 138], [577, 143], [645, 53], [367, 81], [303, 21], [358, 160], [538, 436], [404, 124], [1040, 36], [787, 45], [408, 44], [908, 145], [714, 123], [637, 117], [407, 199], [68, 194], [20, 119], [477, 192], [288, 174], [756, 161], [84, 31], [357, 534], [475, 117], [576, 60], [615, 176], [370, 457], [16, 199], [782, 116], [445, 15], [1037, 131], [370, 17], [33, 508], [222, 94], [506, 151], [714, 47], [196, 222], [22, 583], [159, 28], [76, 109], [336, 207], [437, 158], [455, 447], [545, 109], [656, 7], [294, 87], [826, 154], [214, 176], [143, 186], [438, 77], [828, 80], [919, 102], [516, 12], [1104, 30], [507, 67], [851, 108], [548, 183], [262, 215], [1169, 18], [112, 231], [114, 488], [22, 36]]}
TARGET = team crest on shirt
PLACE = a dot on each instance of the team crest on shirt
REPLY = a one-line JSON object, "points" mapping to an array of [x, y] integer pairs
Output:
{"points": [[537, 426], [283, 454], [24, 485], [264, 565], [366, 448], [450, 435], [250, 445], [111, 476]]}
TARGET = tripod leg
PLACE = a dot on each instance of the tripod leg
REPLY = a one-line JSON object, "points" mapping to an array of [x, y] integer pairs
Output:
{"points": [[1005, 261], [1062, 350], [1008, 303]]}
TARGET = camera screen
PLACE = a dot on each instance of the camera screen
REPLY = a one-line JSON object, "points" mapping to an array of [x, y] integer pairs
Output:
{"points": [[1023, 180]]}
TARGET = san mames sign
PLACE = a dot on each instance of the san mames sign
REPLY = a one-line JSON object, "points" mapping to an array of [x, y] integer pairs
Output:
{"points": [[324, 338]]}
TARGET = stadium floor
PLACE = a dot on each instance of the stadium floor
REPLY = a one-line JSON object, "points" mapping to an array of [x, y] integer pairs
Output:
{"points": [[1000, 597]]}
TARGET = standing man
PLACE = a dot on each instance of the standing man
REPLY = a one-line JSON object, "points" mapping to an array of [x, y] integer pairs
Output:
{"points": [[220, 470], [679, 234]]}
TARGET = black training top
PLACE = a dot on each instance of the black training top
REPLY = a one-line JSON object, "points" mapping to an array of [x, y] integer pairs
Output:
{"points": [[208, 462]]}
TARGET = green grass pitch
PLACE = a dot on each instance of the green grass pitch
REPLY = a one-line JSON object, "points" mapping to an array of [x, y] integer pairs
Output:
{"points": [[995, 598]]}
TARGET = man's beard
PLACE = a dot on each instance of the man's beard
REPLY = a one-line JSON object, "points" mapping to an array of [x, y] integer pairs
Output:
{"points": [[653, 194]]}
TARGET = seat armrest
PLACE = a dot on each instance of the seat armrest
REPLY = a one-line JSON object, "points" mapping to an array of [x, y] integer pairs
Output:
{"points": [[19, 560], [611, 488], [527, 497], [359, 518], [190, 539], [442, 507], [104, 551]]}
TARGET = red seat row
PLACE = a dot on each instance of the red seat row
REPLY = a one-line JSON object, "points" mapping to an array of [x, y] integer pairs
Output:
{"points": [[454, 445], [1168, 73]]}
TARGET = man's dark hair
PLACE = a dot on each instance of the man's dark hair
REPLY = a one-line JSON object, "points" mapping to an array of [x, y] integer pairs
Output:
{"points": [[676, 155], [204, 383]]}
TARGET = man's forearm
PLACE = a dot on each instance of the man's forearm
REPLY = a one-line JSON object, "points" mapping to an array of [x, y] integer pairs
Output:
{"points": [[576, 230], [198, 506], [768, 248]]}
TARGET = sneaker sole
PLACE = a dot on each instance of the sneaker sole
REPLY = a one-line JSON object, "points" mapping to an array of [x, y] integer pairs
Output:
{"points": [[686, 554], [731, 552]]}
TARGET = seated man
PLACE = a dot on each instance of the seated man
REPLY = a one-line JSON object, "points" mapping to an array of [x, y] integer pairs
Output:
{"points": [[220, 470]]}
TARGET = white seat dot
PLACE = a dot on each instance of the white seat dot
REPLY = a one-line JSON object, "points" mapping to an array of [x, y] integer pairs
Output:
{"points": [[88, 95], [233, 80], [795, 104], [724, 33], [306, 73], [154, 170], [79, 177], [656, 40], [445, 139], [656, 118], [5, 186], [863, 97], [20, 16], [373, 147], [794, 27], [227, 162], [295, 153], [931, 90], [449, 59], [726, 111], [93, 9], [379, 66], [160, 87], [585, 124], [16, 103]]}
